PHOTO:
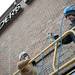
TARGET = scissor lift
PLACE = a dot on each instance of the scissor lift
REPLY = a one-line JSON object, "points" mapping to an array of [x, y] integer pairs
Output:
{"points": [[46, 51]]}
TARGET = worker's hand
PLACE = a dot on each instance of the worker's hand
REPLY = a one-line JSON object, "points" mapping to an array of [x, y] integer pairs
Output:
{"points": [[68, 39], [22, 64]]}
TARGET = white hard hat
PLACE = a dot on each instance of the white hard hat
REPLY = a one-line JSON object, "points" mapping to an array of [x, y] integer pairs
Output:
{"points": [[23, 54]]}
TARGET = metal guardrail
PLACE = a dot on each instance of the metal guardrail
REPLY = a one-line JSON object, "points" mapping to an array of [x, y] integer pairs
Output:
{"points": [[72, 31]]}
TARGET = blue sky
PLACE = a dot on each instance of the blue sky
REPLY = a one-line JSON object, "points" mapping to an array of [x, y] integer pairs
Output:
{"points": [[4, 5]]}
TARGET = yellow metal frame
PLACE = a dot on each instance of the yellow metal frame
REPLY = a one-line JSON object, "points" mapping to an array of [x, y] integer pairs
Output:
{"points": [[64, 66], [55, 52]]}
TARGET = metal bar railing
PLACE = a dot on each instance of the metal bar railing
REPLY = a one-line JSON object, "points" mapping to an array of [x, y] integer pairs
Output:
{"points": [[64, 66], [55, 52], [52, 44], [54, 57]]}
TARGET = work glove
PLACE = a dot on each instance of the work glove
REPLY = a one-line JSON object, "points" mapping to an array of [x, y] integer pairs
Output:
{"points": [[66, 40]]}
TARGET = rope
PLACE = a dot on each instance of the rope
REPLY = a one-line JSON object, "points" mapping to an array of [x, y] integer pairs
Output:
{"points": [[60, 49]]}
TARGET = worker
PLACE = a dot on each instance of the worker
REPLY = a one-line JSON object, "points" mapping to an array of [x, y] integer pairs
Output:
{"points": [[23, 65], [69, 13]]}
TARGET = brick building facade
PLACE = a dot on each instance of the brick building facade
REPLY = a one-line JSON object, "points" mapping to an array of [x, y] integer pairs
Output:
{"points": [[29, 32]]}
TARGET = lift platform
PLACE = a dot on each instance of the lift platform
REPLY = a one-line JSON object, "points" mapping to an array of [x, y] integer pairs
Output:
{"points": [[62, 69]]}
